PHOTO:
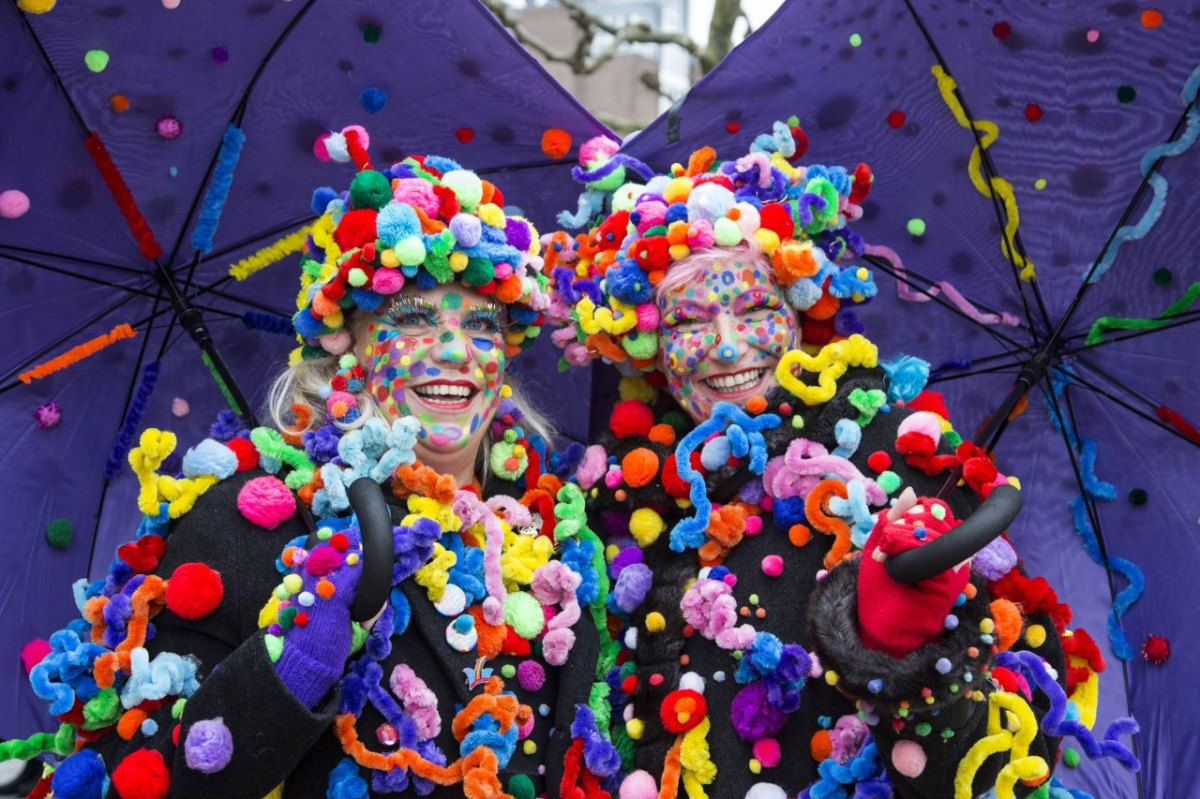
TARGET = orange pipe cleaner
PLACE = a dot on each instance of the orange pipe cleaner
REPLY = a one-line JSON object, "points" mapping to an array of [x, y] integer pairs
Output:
{"points": [[814, 509], [77, 354]]}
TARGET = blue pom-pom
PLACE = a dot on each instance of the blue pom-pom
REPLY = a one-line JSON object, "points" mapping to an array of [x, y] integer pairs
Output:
{"points": [[373, 99], [366, 299], [441, 163], [425, 281], [522, 314], [906, 377], [628, 283], [677, 212], [80, 776], [210, 458], [307, 326], [322, 197], [395, 222], [789, 511]]}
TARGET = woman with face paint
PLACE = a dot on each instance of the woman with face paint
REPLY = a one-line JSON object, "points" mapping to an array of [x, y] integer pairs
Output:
{"points": [[799, 613], [234, 648]]}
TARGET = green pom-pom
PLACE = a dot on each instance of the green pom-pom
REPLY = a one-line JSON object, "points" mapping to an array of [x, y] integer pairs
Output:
{"points": [[521, 787], [726, 232], [1070, 757], [889, 481], [611, 182], [1162, 276], [479, 272], [274, 644], [523, 613], [370, 189], [924, 728], [59, 533], [1138, 497], [358, 637], [679, 423], [287, 617], [508, 671], [371, 33], [347, 361], [410, 251], [357, 278], [96, 60], [177, 708], [640, 344], [467, 188], [952, 438], [102, 710]]}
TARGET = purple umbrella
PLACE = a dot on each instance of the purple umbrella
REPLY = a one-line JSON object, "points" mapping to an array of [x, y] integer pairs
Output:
{"points": [[202, 120], [1032, 210]]}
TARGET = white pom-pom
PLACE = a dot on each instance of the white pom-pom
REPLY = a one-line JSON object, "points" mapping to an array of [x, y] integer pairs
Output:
{"points": [[692, 681], [337, 148], [766, 790]]}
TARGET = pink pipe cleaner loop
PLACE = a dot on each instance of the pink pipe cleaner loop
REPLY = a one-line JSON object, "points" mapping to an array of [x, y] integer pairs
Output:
{"points": [[940, 287], [806, 463], [516, 514], [470, 510], [555, 584]]}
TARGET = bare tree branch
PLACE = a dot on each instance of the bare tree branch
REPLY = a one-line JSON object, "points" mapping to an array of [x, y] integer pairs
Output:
{"points": [[583, 61], [618, 124]]}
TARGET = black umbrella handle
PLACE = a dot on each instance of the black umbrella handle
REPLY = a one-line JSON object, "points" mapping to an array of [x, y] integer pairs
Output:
{"points": [[375, 530], [978, 530]]}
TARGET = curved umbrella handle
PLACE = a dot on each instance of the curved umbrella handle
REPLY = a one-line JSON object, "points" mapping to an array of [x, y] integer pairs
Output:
{"points": [[977, 531], [375, 530]]}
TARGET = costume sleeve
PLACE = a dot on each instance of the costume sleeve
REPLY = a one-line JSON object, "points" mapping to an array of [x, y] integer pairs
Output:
{"points": [[240, 732], [962, 709]]}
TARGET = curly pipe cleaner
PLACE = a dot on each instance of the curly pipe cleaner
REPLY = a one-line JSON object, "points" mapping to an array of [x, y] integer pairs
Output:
{"points": [[939, 287], [468, 508], [599, 173], [807, 463], [516, 514]]}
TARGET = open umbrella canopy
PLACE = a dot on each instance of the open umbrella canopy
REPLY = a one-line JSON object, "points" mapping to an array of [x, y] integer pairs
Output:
{"points": [[1011, 147], [165, 103]]}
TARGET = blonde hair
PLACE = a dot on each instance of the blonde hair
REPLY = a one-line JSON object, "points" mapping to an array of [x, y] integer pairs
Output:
{"points": [[301, 384]]}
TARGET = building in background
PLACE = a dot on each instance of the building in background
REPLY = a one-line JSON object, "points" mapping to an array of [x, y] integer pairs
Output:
{"points": [[621, 91]]}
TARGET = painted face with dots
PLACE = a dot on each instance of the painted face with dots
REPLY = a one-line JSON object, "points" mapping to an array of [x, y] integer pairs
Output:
{"points": [[722, 333], [438, 355]]}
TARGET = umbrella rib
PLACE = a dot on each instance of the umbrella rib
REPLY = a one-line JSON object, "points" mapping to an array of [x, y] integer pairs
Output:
{"points": [[1087, 283], [1154, 420], [1015, 244], [238, 115], [1094, 517], [886, 268], [57, 78], [9, 248], [58, 270], [999, 369]]}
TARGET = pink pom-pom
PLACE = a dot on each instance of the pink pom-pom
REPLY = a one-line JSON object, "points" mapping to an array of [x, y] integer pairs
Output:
{"points": [[650, 214], [266, 501], [772, 565], [613, 478], [700, 234], [531, 675], [647, 317], [322, 561], [336, 343], [387, 281], [13, 203], [169, 128], [48, 415], [418, 193], [766, 751], [921, 422], [319, 149], [909, 758], [33, 653], [596, 148], [503, 271], [576, 354], [638, 785], [592, 467], [754, 525]]}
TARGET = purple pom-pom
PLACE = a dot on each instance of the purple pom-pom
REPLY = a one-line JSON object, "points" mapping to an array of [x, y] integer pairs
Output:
{"points": [[531, 675], [995, 560], [209, 746], [48, 415], [518, 234], [626, 557], [632, 586], [753, 716]]}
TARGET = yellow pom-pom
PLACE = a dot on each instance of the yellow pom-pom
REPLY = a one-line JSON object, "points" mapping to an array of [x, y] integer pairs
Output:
{"points": [[352, 559], [36, 6], [986, 626], [491, 214], [679, 251], [677, 190], [293, 583], [645, 525], [755, 766], [1035, 636], [636, 388], [388, 258], [655, 622], [269, 612], [334, 320], [505, 391], [767, 239], [611, 551], [458, 260], [634, 729], [529, 747], [831, 677]]}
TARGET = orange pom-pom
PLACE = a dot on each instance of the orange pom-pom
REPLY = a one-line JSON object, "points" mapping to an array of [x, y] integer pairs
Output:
{"points": [[1008, 623], [639, 467], [824, 308], [821, 746], [793, 261], [799, 535], [662, 434], [556, 142], [756, 404], [194, 591], [508, 290]]}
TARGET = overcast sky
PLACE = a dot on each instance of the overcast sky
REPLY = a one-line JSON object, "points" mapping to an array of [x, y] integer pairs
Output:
{"points": [[759, 11]]}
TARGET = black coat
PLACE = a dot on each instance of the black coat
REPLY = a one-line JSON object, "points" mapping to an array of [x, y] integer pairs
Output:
{"points": [[792, 605], [276, 738]]}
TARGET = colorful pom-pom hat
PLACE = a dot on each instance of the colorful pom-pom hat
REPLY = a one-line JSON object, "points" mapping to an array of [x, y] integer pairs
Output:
{"points": [[603, 281], [424, 220]]}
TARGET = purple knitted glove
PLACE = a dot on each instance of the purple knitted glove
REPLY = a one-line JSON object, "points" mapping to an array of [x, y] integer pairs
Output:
{"points": [[311, 636]]}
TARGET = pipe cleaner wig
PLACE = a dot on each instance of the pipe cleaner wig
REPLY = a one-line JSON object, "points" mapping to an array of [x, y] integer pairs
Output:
{"points": [[603, 281], [425, 220]]}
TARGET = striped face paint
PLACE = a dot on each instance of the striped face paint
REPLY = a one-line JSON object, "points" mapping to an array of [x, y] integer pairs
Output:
{"points": [[721, 335], [438, 355]]}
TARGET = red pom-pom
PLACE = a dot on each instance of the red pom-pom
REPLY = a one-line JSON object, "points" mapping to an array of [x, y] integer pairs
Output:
{"points": [[612, 231], [175, 734], [449, 202], [631, 418], [356, 228], [629, 685], [1005, 679], [464, 135], [194, 591], [652, 253], [301, 619], [142, 775], [732, 127], [142, 555], [683, 709], [672, 483], [879, 461], [816, 331], [774, 216], [247, 455], [930, 401], [1156, 649], [514, 644], [339, 541]]}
